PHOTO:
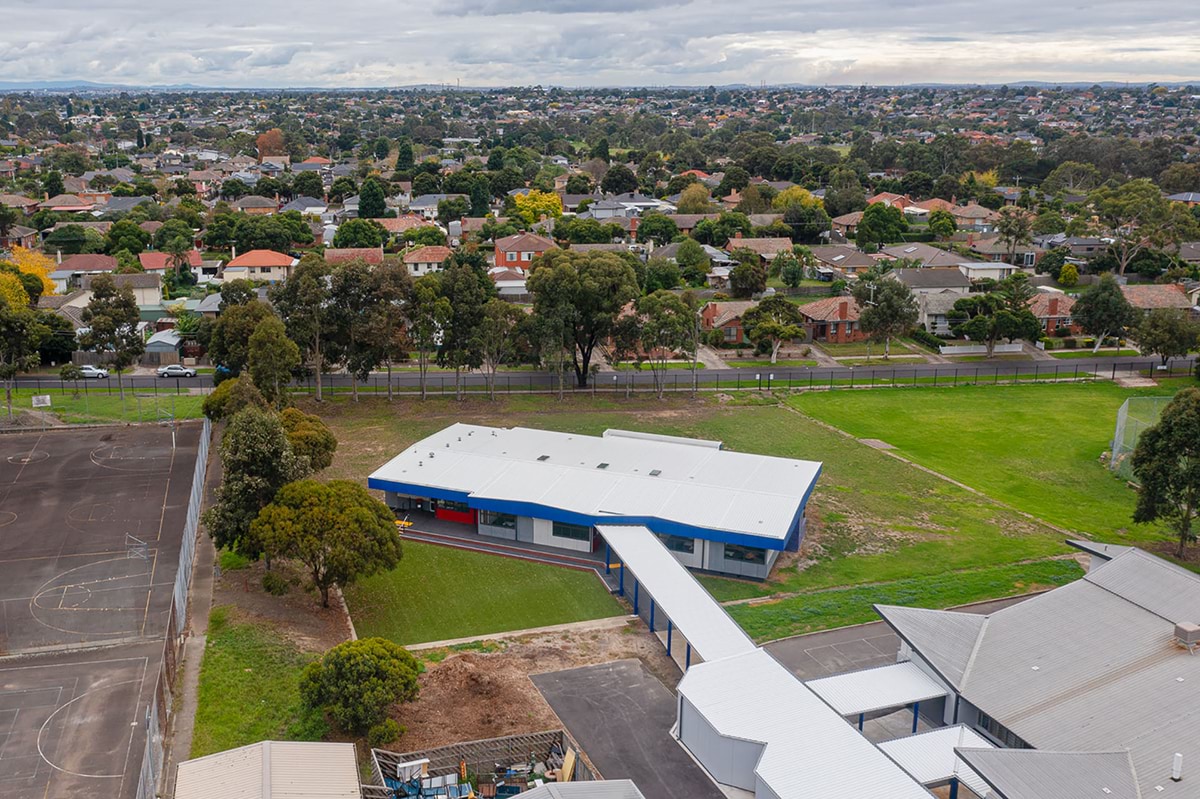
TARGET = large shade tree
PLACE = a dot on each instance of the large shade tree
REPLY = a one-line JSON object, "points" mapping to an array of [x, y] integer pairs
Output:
{"points": [[1166, 463]]}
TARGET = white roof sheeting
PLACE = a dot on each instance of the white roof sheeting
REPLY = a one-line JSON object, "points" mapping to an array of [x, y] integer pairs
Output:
{"points": [[272, 770], [930, 757], [810, 751], [868, 690], [704, 623], [685, 481]]}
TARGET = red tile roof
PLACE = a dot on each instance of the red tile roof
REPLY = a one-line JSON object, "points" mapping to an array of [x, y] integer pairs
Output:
{"points": [[1148, 296], [262, 258], [155, 261], [399, 224], [337, 255], [1040, 304], [434, 254], [830, 310], [525, 242]]}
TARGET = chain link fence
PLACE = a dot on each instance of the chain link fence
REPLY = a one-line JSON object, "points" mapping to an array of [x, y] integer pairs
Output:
{"points": [[1135, 416]]}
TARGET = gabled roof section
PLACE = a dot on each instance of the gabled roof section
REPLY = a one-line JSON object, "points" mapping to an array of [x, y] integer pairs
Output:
{"points": [[946, 639], [1036, 774], [1153, 584]]}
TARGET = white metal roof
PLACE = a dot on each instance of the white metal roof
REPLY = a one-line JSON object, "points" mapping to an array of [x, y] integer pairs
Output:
{"points": [[272, 770], [810, 750], [687, 481], [703, 622], [880, 688], [930, 757]]}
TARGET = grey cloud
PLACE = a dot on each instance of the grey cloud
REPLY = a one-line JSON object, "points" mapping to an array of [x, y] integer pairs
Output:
{"points": [[506, 7]]}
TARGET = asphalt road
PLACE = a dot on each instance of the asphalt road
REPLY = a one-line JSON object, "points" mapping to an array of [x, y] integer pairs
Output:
{"points": [[764, 376]]}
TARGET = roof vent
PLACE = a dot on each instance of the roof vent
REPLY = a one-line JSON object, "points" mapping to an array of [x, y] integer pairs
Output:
{"points": [[543, 457], [430, 454], [602, 466], [1187, 634], [655, 472]]}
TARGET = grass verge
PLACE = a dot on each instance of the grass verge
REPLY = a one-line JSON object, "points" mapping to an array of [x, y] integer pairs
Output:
{"points": [[250, 688], [438, 593], [839, 608]]}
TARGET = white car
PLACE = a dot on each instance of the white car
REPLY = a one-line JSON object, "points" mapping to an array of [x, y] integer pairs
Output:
{"points": [[93, 371], [175, 370]]}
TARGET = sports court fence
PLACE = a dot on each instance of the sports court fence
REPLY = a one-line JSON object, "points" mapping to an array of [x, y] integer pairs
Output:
{"points": [[159, 713], [1135, 416]]}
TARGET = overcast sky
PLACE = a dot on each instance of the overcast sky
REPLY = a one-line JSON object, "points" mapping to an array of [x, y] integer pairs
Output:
{"points": [[271, 43]]}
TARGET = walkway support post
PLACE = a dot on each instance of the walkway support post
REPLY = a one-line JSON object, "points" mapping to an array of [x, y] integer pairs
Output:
{"points": [[607, 558], [687, 660], [636, 585], [670, 627], [862, 717], [621, 581], [651, 614], [916, 709], [954, 788]]}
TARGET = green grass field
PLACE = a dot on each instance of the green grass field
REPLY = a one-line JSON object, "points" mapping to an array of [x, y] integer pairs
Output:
{"points": [[873, 519], [97, 404], [1036, 447], [250, 689], [842, 607], [1068, 354], [438, 593]]}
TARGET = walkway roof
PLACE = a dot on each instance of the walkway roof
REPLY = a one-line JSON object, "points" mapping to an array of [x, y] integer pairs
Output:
{"points": [[931, 759], [704, 623], [880, 688]]}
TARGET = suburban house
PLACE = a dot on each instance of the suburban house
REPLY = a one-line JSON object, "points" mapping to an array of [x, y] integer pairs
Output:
{"points": [[766, 249], [987, 270], [518, 250], [918, 212], [425, 260], [975, 217], [834, 320], [68, 305], [995, 250], [147, 289], [426, 205], [307, 206], [891, 199], [254, 205], [1149, 296], [399, 224], [926, 254], [1189, 198], [158, 261], [846, 260], [508, 282], [74, 266], [726, 317], [847, 224], [337, 255], [687, 222], [67, 204], [1053, 312], [935, 280], [934, 311], [261, 265], [721, 511], [19, 236], [26, 204]]}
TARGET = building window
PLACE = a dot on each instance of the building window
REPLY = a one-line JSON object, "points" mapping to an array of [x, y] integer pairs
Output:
{"points": [[677, 543], [1029, 258], [526, 256], [731, 334], [510, 256], [493, 519], [745, 554], [833, 328], [1001, 733], [451, 505], [575, 532]]}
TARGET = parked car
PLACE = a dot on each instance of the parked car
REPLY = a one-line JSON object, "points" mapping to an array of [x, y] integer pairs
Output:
{"points": [[175, 370], [93, 371]]}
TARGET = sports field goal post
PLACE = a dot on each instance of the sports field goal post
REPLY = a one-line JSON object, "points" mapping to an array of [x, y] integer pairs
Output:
{"points": [[1135, 416]]}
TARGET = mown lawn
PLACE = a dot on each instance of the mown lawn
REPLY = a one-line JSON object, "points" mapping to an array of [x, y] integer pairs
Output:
{"points": [[1036, 447], [841, 607], [438, 593], [873, 519], [768, 365], [250, 688]]}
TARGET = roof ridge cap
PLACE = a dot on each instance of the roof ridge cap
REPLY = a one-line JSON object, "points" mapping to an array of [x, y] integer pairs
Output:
{"points": [[974, 651]]}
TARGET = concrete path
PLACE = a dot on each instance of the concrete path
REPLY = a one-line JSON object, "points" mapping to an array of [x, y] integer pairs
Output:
{"points": [[1035, 353], [710, 358], [611, 623], [822, 357]]}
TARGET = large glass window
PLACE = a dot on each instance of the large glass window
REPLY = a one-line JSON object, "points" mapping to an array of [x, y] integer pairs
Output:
{"points": [[457, 507], [745, 554], [493, 519], [677, 543], [575, 532]]}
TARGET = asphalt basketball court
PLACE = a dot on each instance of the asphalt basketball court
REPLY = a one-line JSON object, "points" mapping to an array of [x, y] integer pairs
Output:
{"points": [[90, 534]]}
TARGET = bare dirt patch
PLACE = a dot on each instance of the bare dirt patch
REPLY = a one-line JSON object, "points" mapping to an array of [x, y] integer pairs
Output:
{"points": [[473, 694], [297, 615]]}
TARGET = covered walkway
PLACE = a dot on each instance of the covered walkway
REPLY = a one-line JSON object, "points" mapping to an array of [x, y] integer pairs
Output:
{"points": [[884, 688], [932, 760], [669, 597]]}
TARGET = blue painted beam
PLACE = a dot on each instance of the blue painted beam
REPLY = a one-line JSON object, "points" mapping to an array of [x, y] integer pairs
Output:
{"points": [[670, 627], [651, 614], [916, 709]]}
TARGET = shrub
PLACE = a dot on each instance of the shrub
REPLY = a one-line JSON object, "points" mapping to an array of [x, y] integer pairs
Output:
{"points": [[309, 436], [275, 583], [1071, 343], [1062, 332], [927, 339], [383, 733], [1053, 343], [230, 397], [357, 681]]}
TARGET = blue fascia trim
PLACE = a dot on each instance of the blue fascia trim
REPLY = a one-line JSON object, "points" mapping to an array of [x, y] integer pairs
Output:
{"points": [[419, 491], [534, 510]]}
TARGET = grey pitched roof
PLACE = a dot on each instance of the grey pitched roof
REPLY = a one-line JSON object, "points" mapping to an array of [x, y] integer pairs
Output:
{"points": [[932, 277], [1033, 774], [944, 638]]}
